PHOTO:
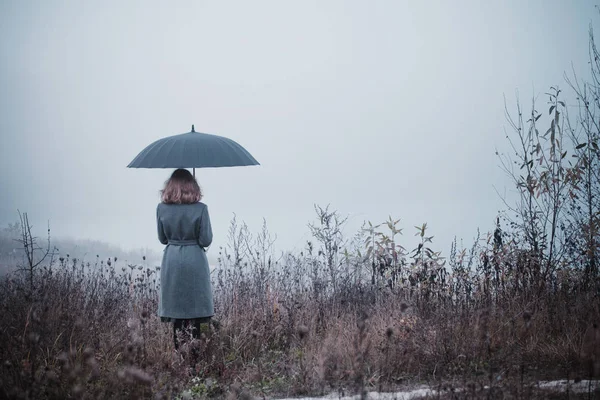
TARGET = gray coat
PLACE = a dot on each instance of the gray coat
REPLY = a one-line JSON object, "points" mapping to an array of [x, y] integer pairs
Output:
{"points": [[185, 289]]}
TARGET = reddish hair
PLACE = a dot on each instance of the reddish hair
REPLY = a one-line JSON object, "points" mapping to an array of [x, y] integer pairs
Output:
{"points": [[181, 188]]}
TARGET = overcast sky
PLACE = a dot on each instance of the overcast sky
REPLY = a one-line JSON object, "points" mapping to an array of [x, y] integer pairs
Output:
{"points": [[376, 107]]}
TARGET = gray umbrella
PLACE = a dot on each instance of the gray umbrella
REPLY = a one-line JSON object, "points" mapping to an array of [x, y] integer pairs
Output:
{"points": [[193, 150]]}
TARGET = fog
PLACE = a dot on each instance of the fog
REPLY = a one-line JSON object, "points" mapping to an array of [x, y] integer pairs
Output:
{"points": [[377, 108]]}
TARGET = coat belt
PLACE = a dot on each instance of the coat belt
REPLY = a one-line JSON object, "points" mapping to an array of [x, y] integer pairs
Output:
{"points": [[183, 242]]}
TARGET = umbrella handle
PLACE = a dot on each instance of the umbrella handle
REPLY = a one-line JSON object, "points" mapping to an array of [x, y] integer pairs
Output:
{"points": [[194, 172]]}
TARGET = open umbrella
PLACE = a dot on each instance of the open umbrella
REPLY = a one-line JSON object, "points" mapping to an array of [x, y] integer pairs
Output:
{"points": [[193, 150]]}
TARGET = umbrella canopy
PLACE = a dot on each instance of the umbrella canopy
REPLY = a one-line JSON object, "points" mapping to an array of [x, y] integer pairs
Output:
{"points": [[193, 150]]}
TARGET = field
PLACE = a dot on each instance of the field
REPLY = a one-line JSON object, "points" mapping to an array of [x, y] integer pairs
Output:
{"points": [[488, 321]]}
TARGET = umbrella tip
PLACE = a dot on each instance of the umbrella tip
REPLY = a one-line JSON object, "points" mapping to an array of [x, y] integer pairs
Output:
{"points": [[193, 130]]}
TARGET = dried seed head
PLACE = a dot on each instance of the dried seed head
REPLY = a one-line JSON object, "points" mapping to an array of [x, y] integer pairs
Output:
{"points": [[77, 390], [34, 337], [361, 324], [63, 357], [526, 316], [389, 332], [51, 376], [403, 307], [139, 375], [302, 331], [88, 353], [95, 372]]}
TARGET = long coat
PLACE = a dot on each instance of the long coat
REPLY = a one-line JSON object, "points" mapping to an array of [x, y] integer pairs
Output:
{"points": [[185, 289]]}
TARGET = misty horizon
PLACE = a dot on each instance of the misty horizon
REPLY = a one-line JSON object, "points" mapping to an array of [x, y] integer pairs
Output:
{"points": [[379, 111]]}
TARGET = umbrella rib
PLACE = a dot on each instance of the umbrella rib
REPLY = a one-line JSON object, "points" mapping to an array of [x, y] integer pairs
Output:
{"points": [[157, 153], [171, 149], [234, 152], [181, 158], [151, 154], [212, 155], [251, 159], [235, 155], [223, 151], [245, 152], [211, 158], [199, 151], [144, 153]]}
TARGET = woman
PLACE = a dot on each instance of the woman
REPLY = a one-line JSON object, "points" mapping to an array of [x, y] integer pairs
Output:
{"points": [[184, 226]]}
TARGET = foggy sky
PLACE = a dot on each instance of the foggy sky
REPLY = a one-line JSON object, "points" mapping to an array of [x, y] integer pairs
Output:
{"points": [[376, 107]]}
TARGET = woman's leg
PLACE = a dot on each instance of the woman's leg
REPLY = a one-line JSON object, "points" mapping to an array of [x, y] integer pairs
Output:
{"points": [[178, 326], [198, 326]]}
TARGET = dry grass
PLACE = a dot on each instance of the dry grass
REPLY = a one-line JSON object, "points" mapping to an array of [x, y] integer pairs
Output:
{"points": [[283, 328]]}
